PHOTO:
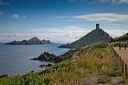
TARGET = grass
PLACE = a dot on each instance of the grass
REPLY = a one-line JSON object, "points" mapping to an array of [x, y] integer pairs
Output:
{"points": [[97, 60]]}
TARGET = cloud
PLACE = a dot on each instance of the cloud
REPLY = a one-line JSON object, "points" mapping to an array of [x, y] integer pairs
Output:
{"points": [[117, 32], [17, 16], [116, 1], [65, 34], [2, 2], [103, 17], [60, 34], [102, 1]]}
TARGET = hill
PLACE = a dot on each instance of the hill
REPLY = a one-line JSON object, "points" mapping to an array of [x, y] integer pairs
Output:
{"points": [[96, 36], [121, 38], [32, 41]]}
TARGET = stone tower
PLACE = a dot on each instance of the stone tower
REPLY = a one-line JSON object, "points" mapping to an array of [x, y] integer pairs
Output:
{"points": [[97, 26]]}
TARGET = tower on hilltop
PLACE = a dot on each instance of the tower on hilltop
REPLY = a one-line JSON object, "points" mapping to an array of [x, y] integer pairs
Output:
{"points": [[97, 26]]}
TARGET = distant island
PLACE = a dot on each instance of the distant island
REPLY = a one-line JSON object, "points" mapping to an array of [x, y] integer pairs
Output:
{"points": [[32, 41]]}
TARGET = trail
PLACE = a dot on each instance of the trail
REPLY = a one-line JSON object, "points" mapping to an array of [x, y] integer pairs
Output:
{"points": [[122, 53]]}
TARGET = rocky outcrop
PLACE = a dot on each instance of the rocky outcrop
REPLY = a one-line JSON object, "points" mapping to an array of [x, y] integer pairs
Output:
{"points": [[53, 58], [2, 76], [32, 41], [46, 57], [97, 36], [48, 65]]}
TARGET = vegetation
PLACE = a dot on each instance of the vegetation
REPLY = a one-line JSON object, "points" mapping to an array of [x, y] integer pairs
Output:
{"points": [[121, 38], [100, 62]]}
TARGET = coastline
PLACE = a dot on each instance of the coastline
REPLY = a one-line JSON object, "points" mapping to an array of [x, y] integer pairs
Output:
{"points": [[20, 58]]}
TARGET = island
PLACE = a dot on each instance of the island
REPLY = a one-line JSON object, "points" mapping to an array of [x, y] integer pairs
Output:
{"points": [[32, 41]]}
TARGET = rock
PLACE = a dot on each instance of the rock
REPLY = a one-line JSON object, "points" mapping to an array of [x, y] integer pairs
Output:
{"points": [[34, 40], [42, 65], [53, 58], [1, 76], [45, 57], [48, 65], [23, 42], [32, 71], [45, 41]]}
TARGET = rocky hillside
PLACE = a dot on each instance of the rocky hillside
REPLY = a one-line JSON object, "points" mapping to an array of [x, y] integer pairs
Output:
{"points": [[32, 41], [96, 36], [121, 38]]}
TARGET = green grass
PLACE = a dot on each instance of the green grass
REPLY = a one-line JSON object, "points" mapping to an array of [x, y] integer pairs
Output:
{"points": [[94, 60]]}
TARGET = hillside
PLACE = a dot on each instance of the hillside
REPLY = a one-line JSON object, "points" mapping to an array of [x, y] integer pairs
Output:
{"points": [[87, 66], [32, 41], [96, 36], [121, 38]]}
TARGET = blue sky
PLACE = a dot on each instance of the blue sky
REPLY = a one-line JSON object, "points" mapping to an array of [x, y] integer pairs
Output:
{"points": [[61, 20]]}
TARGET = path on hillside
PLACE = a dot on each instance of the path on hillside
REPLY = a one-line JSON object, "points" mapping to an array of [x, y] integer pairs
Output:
{"points": [[122, 53]]}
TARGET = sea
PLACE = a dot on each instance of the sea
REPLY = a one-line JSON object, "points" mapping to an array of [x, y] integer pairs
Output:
{"points": [[16, 59]]}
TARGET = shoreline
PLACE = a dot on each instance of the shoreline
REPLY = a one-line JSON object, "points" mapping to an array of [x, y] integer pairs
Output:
{"points": [[30, 65]]}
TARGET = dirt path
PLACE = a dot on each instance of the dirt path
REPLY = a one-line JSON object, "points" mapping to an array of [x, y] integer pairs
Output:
{"points": [[123, 53]]}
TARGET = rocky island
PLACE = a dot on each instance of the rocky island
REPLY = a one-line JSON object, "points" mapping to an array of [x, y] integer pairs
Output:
{"points": [[32, 41]]}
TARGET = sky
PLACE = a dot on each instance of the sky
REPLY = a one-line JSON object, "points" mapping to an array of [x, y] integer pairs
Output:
{"points": [[61, 21]]}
